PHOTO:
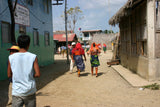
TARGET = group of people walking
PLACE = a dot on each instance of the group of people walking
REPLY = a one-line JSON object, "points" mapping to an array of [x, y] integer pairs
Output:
{"points": [[23, 68], [77, 53]]}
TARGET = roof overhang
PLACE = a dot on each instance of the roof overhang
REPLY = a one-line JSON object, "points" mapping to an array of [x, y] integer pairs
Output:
{"points": [[124, 11]]}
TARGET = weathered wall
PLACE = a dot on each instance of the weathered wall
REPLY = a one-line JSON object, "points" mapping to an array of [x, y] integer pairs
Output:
{"points": [[157, 44], [104, 38], [157, 63], [138, 65], [133, 33], [44, 53]]}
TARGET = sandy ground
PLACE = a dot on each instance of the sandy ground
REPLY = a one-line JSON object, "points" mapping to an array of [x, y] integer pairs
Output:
{"points": [[58, 88]]}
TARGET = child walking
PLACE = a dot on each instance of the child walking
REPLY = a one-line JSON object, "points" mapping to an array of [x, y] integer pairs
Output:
{"points": [[20, 68], [12, 50]]}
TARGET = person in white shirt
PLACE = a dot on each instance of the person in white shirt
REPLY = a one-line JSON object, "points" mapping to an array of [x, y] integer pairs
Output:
{"points": [[72, 62], [23, 68]]}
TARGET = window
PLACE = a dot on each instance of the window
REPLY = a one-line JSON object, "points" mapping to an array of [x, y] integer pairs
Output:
{"points": [[30, 2], [6, 37], [86, 34], [46, 38], [22, 29], [35, 37], [46, 6]]}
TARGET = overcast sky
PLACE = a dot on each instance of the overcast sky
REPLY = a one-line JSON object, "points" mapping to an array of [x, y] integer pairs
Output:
{"points": [[96, 14]]}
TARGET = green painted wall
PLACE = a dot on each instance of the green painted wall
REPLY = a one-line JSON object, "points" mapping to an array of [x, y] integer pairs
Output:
{"points": [[44, 53]]}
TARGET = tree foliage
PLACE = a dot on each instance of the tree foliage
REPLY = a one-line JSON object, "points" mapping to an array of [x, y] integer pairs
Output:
{"points": [[108, 31], [73, 15]]}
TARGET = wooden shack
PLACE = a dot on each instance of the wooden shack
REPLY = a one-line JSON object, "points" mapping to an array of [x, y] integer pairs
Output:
{"points": [[139, 23]]}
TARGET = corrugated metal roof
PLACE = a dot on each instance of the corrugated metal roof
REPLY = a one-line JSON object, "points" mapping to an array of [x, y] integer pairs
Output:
{"points": [[62, 37]]}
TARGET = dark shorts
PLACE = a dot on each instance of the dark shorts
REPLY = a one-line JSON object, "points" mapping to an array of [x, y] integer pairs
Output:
{"points": [[28, 101]]}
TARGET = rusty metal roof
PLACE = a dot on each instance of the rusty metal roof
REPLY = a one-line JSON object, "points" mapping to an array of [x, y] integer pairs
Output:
{"points": [[62, 37]]}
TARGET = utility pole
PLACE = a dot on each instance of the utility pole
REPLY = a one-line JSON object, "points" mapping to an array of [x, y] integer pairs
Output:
{"points": [[65, 13]]}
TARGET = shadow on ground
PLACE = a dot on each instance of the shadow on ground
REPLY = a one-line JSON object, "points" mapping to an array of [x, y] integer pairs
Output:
{"points": [[4, 93], [48, 74], [51, 72], [84, 74]]}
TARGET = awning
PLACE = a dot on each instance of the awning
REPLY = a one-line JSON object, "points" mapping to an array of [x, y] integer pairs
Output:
{"points": [[62, 37]]}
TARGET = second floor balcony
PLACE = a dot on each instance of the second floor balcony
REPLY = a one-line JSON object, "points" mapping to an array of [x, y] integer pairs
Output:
{"points": [[86, 38]]}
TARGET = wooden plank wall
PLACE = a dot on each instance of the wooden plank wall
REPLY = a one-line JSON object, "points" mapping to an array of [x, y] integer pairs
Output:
{"points": [[157, 29], [133, 32]]}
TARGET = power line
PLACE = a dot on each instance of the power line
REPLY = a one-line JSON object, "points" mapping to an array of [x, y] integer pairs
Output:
{"points": [[34, 14], [3, 10]]}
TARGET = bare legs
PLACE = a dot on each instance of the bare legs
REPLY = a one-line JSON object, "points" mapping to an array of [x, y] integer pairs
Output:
{"points": [[96, 68], [92, 70], [78, 72], [96, 71]]}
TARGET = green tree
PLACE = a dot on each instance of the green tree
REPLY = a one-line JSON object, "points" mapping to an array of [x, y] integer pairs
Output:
{"points": [[73, 15], [108, 31], [105, 31]]}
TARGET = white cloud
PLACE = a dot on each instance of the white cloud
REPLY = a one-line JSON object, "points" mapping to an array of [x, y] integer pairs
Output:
{"points": [[98, 12]]}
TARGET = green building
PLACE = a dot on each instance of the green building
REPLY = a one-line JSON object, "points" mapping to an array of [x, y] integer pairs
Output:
{"points": [[34, 18]]}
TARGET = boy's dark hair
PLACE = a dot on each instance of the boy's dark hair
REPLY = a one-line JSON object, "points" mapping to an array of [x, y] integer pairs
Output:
{"points": [[23, 41]]}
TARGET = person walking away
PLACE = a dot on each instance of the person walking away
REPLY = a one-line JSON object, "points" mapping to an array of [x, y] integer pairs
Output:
{"points": [[87, 47], [78, 52], [12, 50], [112, 45], [65, 50], [99, 46], [72, 61], [23, 68], [94, 60], [104, 47], [62, 48], [59, 50]]}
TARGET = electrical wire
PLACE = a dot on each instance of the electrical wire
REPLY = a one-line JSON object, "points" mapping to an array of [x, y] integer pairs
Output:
{"points": [[3, 10], [34, 14]]}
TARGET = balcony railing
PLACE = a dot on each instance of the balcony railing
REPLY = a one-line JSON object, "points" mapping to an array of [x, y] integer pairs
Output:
{"points": [[86, 38]]}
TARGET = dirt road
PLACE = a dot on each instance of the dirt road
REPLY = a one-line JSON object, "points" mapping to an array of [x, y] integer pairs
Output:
{"points": [[109, 89]]}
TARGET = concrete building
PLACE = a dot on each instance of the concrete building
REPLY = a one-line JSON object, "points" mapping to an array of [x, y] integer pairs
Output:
{"points": [[34, 18], [88, 34], [140, 37]]}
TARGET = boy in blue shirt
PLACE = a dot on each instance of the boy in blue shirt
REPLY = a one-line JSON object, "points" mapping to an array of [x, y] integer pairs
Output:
{"points": [[20, 68]]}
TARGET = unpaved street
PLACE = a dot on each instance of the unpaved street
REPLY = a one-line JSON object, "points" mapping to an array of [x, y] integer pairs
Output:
{"points": [[107, 90]]}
